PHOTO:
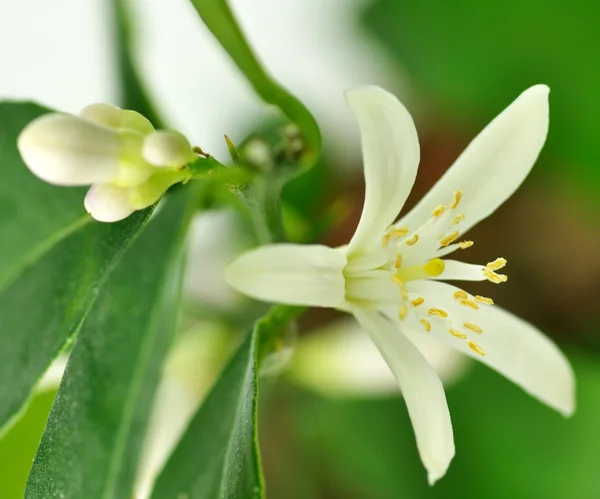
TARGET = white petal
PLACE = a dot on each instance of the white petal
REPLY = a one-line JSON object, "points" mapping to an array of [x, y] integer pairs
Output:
{"points": [[391, 158], [102, 114], [494, 164], [66, 150], [167, 148], [512, 347], [108, 203], [295, 274], [460, 271], [421, 388]]}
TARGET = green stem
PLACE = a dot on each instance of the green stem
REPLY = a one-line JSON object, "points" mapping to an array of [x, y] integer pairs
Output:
{"points": [[219, 19], [133, 94]]}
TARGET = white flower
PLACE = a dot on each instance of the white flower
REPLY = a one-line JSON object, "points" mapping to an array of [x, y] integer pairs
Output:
{"points": [[388, 276], [117, 151]]}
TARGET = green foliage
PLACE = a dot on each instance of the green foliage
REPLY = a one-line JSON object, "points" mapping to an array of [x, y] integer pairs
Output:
{"points": [[475, 58], [52, 277], [218, 455], [104, 402]]}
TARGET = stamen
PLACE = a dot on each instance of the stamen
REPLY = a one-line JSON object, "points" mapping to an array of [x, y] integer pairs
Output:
{"points": [[449, 238], [493, 277], [393, 234], [417, 301], [401, 284], [460, 295], [473, 327], [456, 334], [398, 262], [438, 211], [497, 264], [476, 348], [399, 232], [412, 240], [465, 244], [434, 267], [458, 219], [402, 312], [457, 198], [483, 299], [426, 323], [438, 312], [470, 303]]}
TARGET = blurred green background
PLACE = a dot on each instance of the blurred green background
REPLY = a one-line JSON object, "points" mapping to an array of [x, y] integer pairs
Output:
{"points": [[464, 62]]}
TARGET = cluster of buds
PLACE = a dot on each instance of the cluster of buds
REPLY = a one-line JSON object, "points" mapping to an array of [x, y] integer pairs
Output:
{"points": [[128, 163]]}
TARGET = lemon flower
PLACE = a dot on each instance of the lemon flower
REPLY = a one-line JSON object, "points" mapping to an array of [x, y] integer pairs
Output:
{"points": [[389, 275], [128, 164]]}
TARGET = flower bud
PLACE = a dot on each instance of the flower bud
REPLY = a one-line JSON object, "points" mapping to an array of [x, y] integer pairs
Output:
{"points": [[166, 148], [117, 118], [66, 150], [108, 203]]}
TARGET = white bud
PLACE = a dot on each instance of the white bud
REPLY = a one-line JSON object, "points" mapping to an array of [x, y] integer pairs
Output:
{"points": [[117, 118], [108, 202], [66, 150], [102, 114], [166, 148]]}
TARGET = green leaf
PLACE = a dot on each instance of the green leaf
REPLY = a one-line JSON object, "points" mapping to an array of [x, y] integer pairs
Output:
{"points": [[218, 455], [53, 261], [219, 19], [104, 401], [133, 94]]}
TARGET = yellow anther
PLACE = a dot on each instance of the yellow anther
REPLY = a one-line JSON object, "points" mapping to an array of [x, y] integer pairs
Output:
{"points": [[385, 240], [434, 267], [457, 198], [403, 293], [460, 295], [426, 324], [458, 219], [412, 240], [470, 303], [449, 238], [417, 301], [438, 312], [497, 264], [456, 334], [438, 211], [473, 327], [399, 232], [476, 348], [465, 244], [493, 277], [398, 262], [402, 312], [483, 299]]}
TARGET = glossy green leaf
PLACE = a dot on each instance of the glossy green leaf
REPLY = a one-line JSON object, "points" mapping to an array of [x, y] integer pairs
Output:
{"points": [[218, 455], [219, 19], [34, 215], [104, 401], [53, 261]]}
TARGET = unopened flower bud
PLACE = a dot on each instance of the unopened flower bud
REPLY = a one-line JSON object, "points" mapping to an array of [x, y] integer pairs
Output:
{"points": [[115, 117], [166, 148], [66, 150], [108, 203]]}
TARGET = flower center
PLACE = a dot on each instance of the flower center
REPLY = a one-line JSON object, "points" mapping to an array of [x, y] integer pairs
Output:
{"points": [[417, 255]]}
